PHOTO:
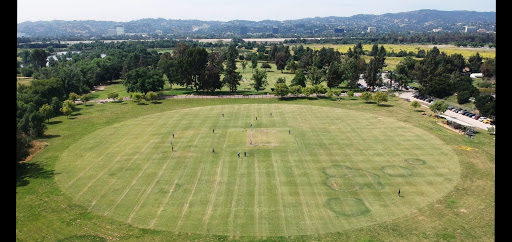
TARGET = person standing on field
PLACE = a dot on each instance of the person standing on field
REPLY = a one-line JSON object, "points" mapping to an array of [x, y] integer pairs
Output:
{"points": [[399, 192]]}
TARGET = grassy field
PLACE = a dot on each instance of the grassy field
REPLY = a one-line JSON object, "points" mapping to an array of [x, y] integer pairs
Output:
{"points": [[448, 49], [108, 173]]}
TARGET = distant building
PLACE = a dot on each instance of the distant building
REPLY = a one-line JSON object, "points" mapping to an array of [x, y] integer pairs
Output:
{"points": [[372, 29], [437, 30], [481, 31], [469, 29], [119, 30]]}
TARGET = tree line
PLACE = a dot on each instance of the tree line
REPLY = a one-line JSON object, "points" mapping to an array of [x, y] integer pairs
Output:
{"points": [[144, 70]]}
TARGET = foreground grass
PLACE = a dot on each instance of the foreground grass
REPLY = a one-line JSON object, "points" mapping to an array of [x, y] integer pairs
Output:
{"points": [[44, 212]]}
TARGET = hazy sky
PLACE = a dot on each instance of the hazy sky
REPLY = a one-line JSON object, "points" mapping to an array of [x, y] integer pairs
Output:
{"points": [[225, 10]]}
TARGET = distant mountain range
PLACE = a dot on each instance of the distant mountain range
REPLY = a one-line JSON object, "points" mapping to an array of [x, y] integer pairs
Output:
{"points": [[424, 20]]}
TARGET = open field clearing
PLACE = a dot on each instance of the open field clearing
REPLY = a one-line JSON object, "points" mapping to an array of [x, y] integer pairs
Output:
{"points": [[314, 169], [448, 49], [338, 170]]}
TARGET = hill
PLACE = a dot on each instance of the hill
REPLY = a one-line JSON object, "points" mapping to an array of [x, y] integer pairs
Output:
{"points": [[419, 21]]}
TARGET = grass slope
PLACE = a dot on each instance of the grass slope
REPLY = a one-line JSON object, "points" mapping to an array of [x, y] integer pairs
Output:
{"points": [[127, 177]]}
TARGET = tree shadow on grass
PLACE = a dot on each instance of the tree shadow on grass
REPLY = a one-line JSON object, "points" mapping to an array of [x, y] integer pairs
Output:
{"points": [[54, 122], [28, 170], [385, 105]]}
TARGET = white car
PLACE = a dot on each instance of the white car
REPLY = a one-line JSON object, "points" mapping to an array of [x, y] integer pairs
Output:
{"points": [[481, 119]]}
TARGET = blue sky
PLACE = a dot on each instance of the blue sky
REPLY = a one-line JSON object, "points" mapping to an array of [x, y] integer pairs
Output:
{"points": [[225, 10]]}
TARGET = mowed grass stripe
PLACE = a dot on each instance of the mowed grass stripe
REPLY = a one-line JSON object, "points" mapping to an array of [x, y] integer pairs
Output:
{"points": [[100, 173], [280, 188]]}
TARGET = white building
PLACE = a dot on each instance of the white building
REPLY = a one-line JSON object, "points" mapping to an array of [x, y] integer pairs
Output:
{"points": [[469, 29], [476, 75], [372, 29]]}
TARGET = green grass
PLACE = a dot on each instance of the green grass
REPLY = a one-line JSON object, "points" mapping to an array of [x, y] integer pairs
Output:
{"points": [[108, 172], [448, 49]]}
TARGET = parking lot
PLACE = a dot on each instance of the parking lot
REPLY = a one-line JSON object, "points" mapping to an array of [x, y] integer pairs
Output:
{"points": [[472, 121]]}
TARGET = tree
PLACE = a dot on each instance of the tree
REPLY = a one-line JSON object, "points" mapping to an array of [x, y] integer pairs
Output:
{"points": [[136, 96], [211, 79], [291, 65], [281, 89], [379, 97], [38, 57], [351, 72], [372, 76], [151, 96], [231, 76], [56, 104], [47, 111], [254, 62], [334, 75], [486, 105], [295, 90], [475, 62], [67, 108], [73, 97], [316, 76], [299, 79], [244, 65], [307, 91], [113, 95], [415, 104], [259, 80], [366, 96], [143, 80], [166, 65], [380, 58], [196, 59], [85, 98], [439, 106], [281, 59]]}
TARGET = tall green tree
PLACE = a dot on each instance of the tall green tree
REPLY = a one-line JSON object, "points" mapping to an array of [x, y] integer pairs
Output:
{"points": [[334, 75], [315, 75], [47, 111], [372, 75], [231, 76], [379, 97], [143, 80], [475, 62], [38, 57], [196, 59], [211, 79], [259, 80], [281, 89], [299, 79], [67, 108]]}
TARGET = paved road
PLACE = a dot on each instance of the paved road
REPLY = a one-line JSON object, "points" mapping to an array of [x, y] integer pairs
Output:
{"points": [[476, 123]]}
